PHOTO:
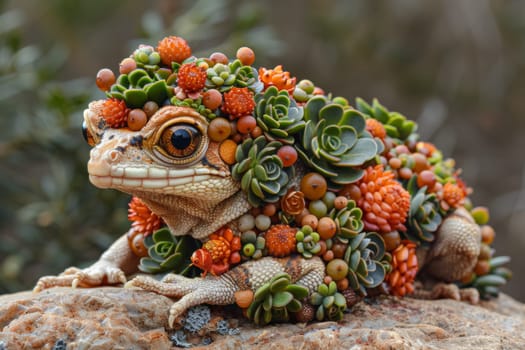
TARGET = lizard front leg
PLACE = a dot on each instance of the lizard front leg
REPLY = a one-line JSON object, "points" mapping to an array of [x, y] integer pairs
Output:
{"points": [[112, 268], [221, 290]]}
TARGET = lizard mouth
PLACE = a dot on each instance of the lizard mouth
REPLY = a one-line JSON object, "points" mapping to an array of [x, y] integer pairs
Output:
{"points": [[151, 178]]}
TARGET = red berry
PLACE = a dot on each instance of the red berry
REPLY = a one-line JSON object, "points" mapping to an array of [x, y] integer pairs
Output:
{"points": [[191, 77], [173, 49], [288, 155], [105, 78], [246, 56], [426, 178]]}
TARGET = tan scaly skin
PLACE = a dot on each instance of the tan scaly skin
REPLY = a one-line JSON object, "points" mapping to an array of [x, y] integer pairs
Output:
{"points": [[196, 196]]}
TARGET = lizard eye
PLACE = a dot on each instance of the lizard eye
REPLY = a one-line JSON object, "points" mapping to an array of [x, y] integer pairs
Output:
{"points": [[87, 135], [181, 143]]}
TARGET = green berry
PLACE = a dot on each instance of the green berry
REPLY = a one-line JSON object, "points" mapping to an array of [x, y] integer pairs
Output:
{"points": [[318, 208], [263, 222], [248, 249]]}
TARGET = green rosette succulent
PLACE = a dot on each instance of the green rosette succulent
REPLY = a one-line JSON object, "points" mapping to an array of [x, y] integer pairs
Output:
{"points": [[488, 285], [348, 221], [168, 253], [330, 303], [225, 76], [364, 255], [147, 58], [260, 171], [334, 141], [196, 105], [139, 87], [396, 125], [424, 217], [275, 300], [307, 242], [277, 115]]}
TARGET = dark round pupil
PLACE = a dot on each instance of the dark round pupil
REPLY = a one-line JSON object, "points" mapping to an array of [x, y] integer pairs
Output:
{"points": [[181, 139]]}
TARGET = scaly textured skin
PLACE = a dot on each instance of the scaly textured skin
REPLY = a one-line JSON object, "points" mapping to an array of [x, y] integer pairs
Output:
{"points": [[221, 290], [197, 196]]}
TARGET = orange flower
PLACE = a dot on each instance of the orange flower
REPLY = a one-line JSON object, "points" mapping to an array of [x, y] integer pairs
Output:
{"points": [[404, 269], [143, 219], [375, 128], [453, 195], [278, 78], [280, 240], [293, 202], [384, 201]]}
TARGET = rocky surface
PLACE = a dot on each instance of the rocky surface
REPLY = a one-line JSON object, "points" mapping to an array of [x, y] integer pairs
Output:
{"points": [[116, 318]]}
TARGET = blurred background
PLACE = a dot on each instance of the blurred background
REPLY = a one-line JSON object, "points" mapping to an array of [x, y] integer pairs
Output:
{"points": [[456, 67]]}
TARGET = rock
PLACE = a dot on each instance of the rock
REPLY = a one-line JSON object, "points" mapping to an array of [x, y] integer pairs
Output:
{"points": [[117, 318]]}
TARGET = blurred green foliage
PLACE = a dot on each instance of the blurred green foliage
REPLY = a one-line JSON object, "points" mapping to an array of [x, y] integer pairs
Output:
{"points": [[455, 67]]}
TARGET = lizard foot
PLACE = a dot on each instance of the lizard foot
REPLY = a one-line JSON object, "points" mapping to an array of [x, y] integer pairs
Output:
{"points": [[447, 291], [190, 291], [95, 275]]}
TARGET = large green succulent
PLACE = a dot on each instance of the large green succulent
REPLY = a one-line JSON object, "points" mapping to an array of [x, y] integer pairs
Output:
{"points": [[225, 76], [139, 87], [334, 141], [396, 125], [330, 303], [274, 300], [423, 218], [168, 253], [261, 171], [348, 221], [364, 255], [278, 116]]}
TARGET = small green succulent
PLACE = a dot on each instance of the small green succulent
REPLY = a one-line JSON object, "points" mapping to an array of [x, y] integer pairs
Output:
{"points": [[334, 141], [364, 255], [303, 91], [168, 253], [488, 285], [196, 105], [307, 242], [330, 303], [348, 221], [225, 76], [423, 218], [260, 171], [147, 58], [278, 116], [396, 125], [274, 300], [139, 87]]}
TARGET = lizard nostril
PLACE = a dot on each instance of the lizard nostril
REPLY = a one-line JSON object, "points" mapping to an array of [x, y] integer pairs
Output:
{"points": [[113, 156]]}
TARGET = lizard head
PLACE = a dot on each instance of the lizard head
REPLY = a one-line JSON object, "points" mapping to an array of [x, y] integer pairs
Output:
{"points": [[171, 155]]}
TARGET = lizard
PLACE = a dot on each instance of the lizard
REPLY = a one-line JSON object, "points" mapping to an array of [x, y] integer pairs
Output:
{"points": [[199, 198], [173, 165]]}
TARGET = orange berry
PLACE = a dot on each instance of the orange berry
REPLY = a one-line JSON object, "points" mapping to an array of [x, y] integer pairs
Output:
{"points": [[212, 99], [482, 267], [314, 186], [310, 220], [269, 209], [219, 57], [288, 155], [246, 124], [227, 151], [256, 132], [340, 202], [487, 234], [246, 56], [326, 227], [173, 49], [219, 129], [137, 118], [127, 65], [105, 78]]}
